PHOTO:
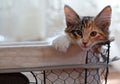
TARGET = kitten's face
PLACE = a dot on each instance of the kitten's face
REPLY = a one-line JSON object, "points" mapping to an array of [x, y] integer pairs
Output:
{"points": [[87, 31]]}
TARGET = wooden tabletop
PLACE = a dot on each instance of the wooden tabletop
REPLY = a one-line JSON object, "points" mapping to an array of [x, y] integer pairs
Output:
{"points": [[28, 56]]}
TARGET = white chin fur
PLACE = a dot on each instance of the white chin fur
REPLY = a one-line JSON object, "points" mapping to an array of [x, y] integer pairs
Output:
{"points": [[79, 42]]}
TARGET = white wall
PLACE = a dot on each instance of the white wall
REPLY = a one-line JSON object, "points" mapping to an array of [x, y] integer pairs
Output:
{"points": [[22, 19]]}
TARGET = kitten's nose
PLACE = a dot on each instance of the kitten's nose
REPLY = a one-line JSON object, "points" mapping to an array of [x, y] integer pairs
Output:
{"points": [[85, 43]]}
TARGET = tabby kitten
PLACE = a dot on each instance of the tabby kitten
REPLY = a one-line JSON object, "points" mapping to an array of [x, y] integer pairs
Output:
{"points": [[85, 31]]}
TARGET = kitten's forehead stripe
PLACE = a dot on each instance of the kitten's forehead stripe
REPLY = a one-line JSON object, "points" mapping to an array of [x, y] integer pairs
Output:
{"points": [[85, 21], [83, 24]]}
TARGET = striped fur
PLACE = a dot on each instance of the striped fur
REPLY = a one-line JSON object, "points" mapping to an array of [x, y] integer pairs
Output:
{"points": [[87, 31]]}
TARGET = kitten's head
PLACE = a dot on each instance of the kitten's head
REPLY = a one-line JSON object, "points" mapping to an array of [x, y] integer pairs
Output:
{"points": [[87, 31]]}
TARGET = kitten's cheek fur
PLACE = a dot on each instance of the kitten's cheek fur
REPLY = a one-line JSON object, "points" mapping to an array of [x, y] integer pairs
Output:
{"points": [[61, 43], [79, 42]]}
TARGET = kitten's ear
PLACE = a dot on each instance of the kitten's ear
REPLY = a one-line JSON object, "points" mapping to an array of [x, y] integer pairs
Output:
{"points": [[71, 16], [103, 19]]}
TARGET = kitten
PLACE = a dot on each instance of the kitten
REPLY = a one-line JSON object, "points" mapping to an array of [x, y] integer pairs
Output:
{"points": [[84, 31]]}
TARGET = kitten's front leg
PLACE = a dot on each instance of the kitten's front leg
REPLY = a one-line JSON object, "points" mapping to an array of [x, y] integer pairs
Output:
{"points": [[61, 43]]}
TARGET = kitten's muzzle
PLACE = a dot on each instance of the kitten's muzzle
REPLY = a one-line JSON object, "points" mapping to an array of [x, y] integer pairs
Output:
{"points": [[84, 43]]}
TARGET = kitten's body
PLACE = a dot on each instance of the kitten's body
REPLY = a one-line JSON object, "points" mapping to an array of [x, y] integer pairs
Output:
{"points": [[84, 31]]}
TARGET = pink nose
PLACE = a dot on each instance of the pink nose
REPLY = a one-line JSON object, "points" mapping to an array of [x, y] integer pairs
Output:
{"points": [[84, 43]]}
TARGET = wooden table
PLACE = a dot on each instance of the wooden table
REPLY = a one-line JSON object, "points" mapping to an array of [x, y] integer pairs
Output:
{"points": [[37, 56], [31, 56]]}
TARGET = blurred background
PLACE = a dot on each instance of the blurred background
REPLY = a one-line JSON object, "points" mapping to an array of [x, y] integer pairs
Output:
{"points": [[38, 20]]}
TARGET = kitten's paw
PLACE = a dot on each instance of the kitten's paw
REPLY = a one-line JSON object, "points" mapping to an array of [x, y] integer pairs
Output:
{"points": [[61, 43]]}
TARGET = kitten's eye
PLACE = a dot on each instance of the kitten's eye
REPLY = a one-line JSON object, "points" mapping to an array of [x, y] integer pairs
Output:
{"points": [[73, 32], [79, 32], [76, 33], [94, 33]]}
